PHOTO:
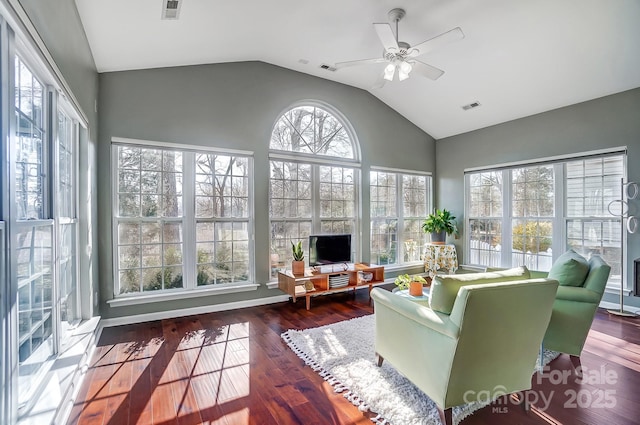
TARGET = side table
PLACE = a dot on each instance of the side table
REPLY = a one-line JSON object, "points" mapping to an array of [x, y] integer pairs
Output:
{"points": [[424, 299], [438, 257]]}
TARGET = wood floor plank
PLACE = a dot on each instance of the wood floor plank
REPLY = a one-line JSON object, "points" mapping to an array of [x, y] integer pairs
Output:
{"points": [[232, 367]]}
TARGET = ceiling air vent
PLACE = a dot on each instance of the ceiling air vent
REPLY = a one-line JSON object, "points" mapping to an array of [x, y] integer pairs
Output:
{"points": [[471, 105], [171, 9], [328, 67]]}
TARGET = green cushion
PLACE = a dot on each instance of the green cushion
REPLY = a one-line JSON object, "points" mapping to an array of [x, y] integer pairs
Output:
{"points": [[444, 289], [570, 269]]}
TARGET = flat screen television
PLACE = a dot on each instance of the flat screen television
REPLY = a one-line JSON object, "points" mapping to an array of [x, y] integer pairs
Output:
{"points": [[329, 249]]}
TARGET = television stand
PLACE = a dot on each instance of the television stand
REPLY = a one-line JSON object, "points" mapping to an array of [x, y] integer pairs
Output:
{"points": [[312, 283]]}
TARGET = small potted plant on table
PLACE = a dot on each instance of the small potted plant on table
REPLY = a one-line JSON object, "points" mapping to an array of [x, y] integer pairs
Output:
{"points": [[297, 265], [414, 283], [440, 224]]}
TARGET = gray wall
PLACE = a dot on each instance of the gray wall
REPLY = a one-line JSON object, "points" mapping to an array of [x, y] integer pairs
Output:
{"points": [[606, 122], [59, 26], [235, 105]]}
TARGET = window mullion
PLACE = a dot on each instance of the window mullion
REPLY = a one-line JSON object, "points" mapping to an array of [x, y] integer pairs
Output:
{"points": [[316, 220], [399, 220], [558, 241], [188, 219], [507, 219]]}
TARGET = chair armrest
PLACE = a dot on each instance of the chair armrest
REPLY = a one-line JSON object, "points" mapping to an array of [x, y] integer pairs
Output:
{"points": [[578, 294], [420, 314], [535, 274]]}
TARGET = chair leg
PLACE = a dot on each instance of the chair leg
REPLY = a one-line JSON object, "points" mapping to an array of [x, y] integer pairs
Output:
{"points": [[577, 365], [446, 416], [380, 359]]}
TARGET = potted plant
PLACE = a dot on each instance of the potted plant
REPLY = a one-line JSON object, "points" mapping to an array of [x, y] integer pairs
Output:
{"points": [[439, 224], [414, 283], [297, 265]]}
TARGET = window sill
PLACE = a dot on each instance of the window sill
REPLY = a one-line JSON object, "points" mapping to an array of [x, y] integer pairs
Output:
{"points": [[403, 267], [180, 295], [614, 289]]}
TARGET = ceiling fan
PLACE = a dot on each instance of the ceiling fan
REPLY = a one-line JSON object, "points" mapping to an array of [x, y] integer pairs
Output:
{"points": [[400, 55]]}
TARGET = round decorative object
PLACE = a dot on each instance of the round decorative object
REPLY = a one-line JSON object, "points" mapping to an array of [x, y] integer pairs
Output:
{"points": [[632, 190], [632, 224]]}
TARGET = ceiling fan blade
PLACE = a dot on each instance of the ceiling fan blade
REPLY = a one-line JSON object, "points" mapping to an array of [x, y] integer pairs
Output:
{"points": [[385, 34], [340, 65], [437, 41], [428, 71]]}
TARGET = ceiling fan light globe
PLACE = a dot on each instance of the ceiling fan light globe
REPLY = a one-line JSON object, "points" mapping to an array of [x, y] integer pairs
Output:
{"points": [[405, 68], [402, 75], [389, 71]]}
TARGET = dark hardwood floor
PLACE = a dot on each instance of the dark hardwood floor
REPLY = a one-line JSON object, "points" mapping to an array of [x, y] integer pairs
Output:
{"points": [[233, 368]]}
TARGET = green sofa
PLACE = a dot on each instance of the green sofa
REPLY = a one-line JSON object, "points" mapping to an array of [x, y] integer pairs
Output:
{"points": [[574, 310], [486, 338]]}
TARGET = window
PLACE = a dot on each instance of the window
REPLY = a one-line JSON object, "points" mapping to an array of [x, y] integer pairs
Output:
{"points": [[67, 296], [591, 184], [222, 219], [484, 214], [523, 200], [399, 205], [157, 230], [150, 219], [43, 225], [34, 242], [312, 130], [532, 211], [313, 179]]}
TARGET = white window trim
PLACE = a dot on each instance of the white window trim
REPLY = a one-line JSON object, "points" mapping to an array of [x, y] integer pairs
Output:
{"points": [[190, 288], [183, 147], [548, 159], [180, 294]]}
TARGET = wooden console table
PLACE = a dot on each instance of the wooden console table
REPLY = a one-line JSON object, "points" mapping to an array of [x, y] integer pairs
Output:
{"points": [[295, 285]]}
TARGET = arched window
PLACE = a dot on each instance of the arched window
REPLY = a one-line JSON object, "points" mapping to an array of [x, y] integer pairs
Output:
{"points": [[314, 180], [312, 130]]}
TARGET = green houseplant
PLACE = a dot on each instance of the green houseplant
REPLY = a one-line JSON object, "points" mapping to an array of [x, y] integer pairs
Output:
{"points": [[412, 282], [297, 265], [439, 224]]}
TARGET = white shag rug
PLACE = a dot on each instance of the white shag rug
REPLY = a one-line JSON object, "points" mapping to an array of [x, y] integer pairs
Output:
{"points": [[344, 355]]}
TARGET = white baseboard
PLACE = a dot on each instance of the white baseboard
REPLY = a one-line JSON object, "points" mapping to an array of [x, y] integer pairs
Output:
{"points": [[148, 317]]}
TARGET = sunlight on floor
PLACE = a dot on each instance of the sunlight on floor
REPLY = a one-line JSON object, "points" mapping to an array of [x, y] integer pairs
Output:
{"points": [[191, 377], [600, 344]]}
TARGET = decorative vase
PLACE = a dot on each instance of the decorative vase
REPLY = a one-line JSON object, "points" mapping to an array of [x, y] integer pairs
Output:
{"points": [[438, 238], [297, 267], [415, 289]]}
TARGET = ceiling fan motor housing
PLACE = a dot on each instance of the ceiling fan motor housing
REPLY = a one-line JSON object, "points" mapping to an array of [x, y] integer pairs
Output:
{"points": [[401, 54]]}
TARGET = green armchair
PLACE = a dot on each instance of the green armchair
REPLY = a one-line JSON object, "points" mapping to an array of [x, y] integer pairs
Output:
{"points": [[488, 342], [574, 310]]}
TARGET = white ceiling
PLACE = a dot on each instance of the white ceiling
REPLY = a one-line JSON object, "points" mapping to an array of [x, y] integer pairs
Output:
{"points": [[518, 57]]}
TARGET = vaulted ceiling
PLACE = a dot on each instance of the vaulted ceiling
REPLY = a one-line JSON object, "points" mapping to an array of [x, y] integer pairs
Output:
{"points": [[517, 58]]}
